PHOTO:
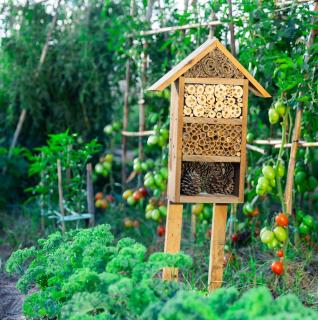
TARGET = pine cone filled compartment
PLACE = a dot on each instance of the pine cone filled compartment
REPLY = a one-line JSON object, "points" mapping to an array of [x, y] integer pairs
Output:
{"points": [[209, 178]]}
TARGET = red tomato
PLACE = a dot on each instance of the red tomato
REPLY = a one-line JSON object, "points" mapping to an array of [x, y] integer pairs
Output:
{"points": [[281, 220], [137, 195], [161, 231], [255, 212], [143, 191], [99, 196], [277, 267], [110, 198], [104, 204], [234, 237], [280, 253]]}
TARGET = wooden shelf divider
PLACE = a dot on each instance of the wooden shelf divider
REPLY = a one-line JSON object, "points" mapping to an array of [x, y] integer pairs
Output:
{"points": [[212, 120], [202, 158]]}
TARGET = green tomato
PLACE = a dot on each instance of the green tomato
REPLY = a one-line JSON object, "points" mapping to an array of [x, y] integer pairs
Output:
{"points": [[149, 182], [280, 234], [247, 208], [108, 129], [263, 183], [144, 167], [303, 229], [268, 172], [280, 108], [273, 116], [272, 183], [158, 179], [280, 169], [164, 133], [150, 163], [260, 191], [150, 207], [273, 244], [164, 172], [157, 193], [116, 126], [155, 214], [263, 229], [250, 138], [99, 168], [137, 167], [152, 140], [162, 141], [148, 214], [308, 220], [108, 157], [299, 215], [207, 212], [107, 166], [267, 236], [163, 210], [148, 175], [300, 177], [131, 200]]}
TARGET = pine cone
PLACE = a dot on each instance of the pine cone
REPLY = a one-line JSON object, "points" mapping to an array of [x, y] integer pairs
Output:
{"points": [[190, 180]]}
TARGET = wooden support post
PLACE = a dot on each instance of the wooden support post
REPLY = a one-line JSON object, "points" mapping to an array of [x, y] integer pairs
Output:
{"points": [[90, 194], [217, 246], [173, 236], [60, 188]]}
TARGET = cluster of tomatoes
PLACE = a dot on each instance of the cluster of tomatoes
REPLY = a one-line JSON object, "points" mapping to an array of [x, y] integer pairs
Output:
{"points": [[156, 210], [277, 111], [157, 181], [143, 166], [105, 165], [102, 201], [303, 180], [160, 138], [306, 223], [276, 238], [132, 197], [267, 182]]}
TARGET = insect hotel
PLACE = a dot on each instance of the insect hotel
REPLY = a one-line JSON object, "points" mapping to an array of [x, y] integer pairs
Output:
{"points": [[207, 143]]}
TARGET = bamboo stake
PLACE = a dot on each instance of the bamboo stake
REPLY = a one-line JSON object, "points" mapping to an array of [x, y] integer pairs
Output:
{"points": [[256, 149], [38, 69], [60, 188], [126, 108], [212, 27], [143, 83], [302, 144], [231, 27], [138, 133], [297, 130], [176, 28], [90, 194]]}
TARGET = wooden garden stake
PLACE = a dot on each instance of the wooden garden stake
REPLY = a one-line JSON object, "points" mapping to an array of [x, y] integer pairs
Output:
{"points": [[60, 188], [207, 142], [90, 194], [173, 236], [217, 246]]}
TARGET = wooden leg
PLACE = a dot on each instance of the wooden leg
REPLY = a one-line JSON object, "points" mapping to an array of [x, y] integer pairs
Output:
{"points": [[173, 236], [217, 246]]}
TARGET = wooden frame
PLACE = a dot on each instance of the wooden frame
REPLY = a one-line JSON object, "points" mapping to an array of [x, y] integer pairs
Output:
{"points": [[175, 148]]}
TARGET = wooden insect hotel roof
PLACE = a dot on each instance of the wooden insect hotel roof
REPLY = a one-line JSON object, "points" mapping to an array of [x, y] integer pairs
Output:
{"points": [[208, 53]]}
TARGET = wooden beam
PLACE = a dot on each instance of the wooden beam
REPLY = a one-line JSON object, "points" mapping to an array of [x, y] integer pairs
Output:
{"points": [[217, 246], [175, 28], [138, 133], [173, 236]]}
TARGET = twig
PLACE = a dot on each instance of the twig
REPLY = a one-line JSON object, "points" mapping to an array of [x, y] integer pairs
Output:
{"points": [[176, 28], [256, 149]]}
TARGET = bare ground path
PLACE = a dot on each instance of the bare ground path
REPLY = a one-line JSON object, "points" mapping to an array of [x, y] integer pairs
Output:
{"points": [[10, 299]]}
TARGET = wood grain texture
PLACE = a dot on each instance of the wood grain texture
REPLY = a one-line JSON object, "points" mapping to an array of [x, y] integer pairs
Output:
{"points": [[212, 120], [243, 145], [217, 246], [179, 125], [208, 198], [215, 81], [184, 65], [173, 236], [173, 142], [202, 158]]}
